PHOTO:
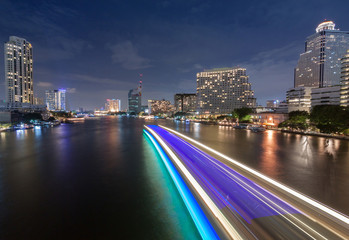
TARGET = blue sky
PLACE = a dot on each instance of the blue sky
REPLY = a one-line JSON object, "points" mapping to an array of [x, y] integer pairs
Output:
{"points": [[97, 49]]}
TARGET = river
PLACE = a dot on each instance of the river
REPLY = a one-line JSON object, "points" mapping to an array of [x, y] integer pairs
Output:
{"points": [[103, 180]]}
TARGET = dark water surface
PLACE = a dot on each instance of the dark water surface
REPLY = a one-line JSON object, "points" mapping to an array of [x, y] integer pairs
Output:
{"points": [[96, 180], [103, 180]]}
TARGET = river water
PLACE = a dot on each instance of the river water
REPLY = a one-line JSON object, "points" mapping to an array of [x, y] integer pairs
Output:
{"points": [[102, 179]]}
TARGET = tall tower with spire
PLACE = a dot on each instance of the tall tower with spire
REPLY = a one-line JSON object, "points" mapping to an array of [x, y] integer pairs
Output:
{"points": [[320, 64]]}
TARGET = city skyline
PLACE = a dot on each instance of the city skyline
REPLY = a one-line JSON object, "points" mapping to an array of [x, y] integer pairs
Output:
{"points": [[170, 45]]}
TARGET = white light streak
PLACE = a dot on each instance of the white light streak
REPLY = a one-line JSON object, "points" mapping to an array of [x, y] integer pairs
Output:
{"points": [[210, 204], [298, 195]]}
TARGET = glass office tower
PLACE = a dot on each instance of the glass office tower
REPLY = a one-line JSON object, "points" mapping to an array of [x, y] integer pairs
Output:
{"points": [[344, 95], [320, 64]]}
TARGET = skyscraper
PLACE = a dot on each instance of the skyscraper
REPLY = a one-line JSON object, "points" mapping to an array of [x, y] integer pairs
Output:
{"points": [[320, 64], [18, 55], [135, 99], [56, 100], [221, 90], [344, 93]]}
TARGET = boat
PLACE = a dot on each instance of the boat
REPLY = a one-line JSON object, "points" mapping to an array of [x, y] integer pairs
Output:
{"points": [[257, 129]]}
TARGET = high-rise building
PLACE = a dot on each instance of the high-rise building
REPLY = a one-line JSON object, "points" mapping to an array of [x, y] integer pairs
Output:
{"points": [[19, 71], [344, 94], [135, 99], [56, 100], [221, 90], [320, 64], [185, 102], [113, 105]]}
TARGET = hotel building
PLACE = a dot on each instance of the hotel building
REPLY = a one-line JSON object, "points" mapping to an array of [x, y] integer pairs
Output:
{"points": [[221, 90], [18, 55]]}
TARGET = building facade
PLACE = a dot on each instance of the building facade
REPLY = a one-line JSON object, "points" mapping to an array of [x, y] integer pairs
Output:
{"points": [[221, 90], [320, 64], [299, 99], [325, 96], [18, 55], [135, 99], [185, 102], [113, 105], [56, 100], [272, 104], [160, 107], [282, 108], [269, 118], [344, 94]]}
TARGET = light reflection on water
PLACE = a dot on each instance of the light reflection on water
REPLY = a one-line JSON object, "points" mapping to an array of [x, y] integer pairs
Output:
{"points": [[89, 180], [269, 159], [101, 170]]}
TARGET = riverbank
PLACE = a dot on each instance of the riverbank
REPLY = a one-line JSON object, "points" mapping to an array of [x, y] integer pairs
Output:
{"points": [[341, 137], [246, 126]]}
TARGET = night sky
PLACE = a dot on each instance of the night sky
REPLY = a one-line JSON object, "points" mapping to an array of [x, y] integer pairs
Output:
{"points": [[97, 49]]}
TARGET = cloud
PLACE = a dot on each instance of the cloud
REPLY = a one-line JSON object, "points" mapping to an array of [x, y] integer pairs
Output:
{"points": [[71, 90], [61, 48], [195, 67], [127, 55], [98, 83], [44, 84], [271, 72]]}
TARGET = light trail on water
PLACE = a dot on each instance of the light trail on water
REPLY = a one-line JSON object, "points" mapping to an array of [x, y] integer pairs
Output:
{"points": [[250, 204]]}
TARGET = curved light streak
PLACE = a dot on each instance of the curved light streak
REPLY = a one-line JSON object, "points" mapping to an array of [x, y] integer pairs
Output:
{"points": [[203, 225], [296, 194], [209, 203]]}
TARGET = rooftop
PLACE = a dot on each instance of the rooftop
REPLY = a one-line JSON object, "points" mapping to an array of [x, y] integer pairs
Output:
{"points": [[223, 69]]}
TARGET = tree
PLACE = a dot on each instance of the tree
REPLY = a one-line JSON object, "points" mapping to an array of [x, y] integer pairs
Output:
{"points": [[296, 120], [330, 118], [180, 114], [243, 114], [222, 117], [27, 117], [62, 114]]}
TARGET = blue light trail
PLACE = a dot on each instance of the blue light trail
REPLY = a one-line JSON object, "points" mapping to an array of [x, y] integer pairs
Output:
{"points": [[203, 225], [244, 209]]}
